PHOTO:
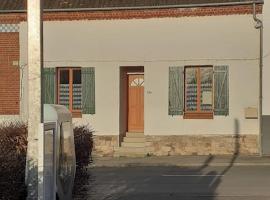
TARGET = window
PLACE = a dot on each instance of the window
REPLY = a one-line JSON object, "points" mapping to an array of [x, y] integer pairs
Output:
{"points": [[199, 92], [70, 89], [70, 86]]}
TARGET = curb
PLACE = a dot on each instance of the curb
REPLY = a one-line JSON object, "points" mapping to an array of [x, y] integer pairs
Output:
{"points": [[175, 165]]}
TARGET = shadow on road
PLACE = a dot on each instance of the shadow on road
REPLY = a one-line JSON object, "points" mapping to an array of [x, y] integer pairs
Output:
{"points": [[154, 183]]}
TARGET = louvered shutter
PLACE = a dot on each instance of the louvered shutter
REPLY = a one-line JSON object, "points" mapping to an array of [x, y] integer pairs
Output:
{"points": [[88, 90], [48, 83], [221, 87], [176, 90]]}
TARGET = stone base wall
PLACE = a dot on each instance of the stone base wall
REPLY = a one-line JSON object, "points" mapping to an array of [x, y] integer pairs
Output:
{"points": [[184, 145], [104, 145], [203, 145]]}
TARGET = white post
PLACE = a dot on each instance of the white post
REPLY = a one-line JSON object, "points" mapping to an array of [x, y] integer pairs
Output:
{"points": [[34, 17]]}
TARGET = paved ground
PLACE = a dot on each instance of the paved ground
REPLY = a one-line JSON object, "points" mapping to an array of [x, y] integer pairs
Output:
{"points": [[174, 183], [157, 182], [181, 161]]}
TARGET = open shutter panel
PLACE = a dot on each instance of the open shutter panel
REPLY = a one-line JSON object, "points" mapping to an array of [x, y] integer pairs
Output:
{"points": [[49, 85], [221, 87], [176, 90], [88, 90]]}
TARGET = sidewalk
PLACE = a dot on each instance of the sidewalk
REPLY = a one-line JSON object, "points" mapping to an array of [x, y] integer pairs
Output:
{"points": [[181, 161]]}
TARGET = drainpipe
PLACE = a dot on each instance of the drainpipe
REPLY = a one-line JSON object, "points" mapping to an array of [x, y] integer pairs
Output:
{"points": [[259, 25]]}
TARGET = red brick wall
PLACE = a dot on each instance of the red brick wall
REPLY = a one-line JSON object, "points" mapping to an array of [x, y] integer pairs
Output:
{"points": [[9, 74], [154, 13], [13, 18], [136, 14]]}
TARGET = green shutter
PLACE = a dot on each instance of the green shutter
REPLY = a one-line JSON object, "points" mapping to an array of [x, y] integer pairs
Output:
{"points": [[221, 87], [88, 90], [49, 85], [176, 90]]}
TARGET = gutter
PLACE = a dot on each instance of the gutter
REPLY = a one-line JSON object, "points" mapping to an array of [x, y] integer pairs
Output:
{"points": [[142, 7], [259, 25]]}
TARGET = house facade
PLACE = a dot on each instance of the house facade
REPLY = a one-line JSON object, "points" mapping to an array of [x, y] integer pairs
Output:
{"points": [[175, 78]]}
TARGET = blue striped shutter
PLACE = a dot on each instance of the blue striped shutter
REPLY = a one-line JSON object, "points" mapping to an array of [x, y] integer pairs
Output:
{"points": [[221, 93], [176, 90], [49, 86], [88, 90]]}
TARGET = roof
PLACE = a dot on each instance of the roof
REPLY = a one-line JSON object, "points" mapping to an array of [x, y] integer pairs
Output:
{"points": [[20, 5]]}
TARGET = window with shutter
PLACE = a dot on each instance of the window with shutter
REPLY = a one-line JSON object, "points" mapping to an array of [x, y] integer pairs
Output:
{"points": [[201, 93], [198, 92], [88, 90], [221, 95], [49, 78], [176, 90]]}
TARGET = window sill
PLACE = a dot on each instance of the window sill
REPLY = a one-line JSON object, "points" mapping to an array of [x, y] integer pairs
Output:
{"points": [[198, 115], [76, 114]]}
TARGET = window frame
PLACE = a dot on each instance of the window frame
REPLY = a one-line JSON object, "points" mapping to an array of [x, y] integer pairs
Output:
{"points": [[75, 113], [198, 114]]}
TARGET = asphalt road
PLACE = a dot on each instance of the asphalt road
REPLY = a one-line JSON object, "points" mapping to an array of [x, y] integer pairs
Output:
{"points": [[174, 183]]}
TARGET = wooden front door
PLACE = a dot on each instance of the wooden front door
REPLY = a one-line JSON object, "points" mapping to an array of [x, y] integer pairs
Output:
{"points": [[135, 103]]}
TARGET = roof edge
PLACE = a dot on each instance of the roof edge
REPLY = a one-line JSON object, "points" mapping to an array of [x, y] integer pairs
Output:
{"points": [[142, 7]]}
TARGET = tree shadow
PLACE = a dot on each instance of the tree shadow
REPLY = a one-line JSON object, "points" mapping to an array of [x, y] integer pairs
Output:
{"points": [[236, 151], [159, 183], [213, 179]]}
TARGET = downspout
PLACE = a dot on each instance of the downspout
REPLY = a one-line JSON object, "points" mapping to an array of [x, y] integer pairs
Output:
{"points": [[259, 25]]}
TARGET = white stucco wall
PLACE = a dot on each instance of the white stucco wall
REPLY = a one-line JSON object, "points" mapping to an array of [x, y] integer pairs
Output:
{"points": [[157, 44], [266, 61], [6, 119]]}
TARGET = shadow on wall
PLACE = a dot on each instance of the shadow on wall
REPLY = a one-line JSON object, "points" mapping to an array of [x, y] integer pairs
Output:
{"points": [[236, 152], [145, 183]]}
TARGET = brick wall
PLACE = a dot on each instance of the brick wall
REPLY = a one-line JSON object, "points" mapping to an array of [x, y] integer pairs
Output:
{"points": [[9, 74], [135, 14]]}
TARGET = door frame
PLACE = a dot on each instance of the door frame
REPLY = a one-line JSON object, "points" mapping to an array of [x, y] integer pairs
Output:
{"points": [[123, 91]]}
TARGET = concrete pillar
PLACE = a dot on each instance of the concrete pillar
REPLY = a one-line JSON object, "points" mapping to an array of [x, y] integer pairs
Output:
{"points": [[34, 93]]}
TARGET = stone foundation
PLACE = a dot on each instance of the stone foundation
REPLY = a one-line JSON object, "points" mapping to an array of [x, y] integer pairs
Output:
{"points": [[184, 145], [203, 145], [104, 145]]}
